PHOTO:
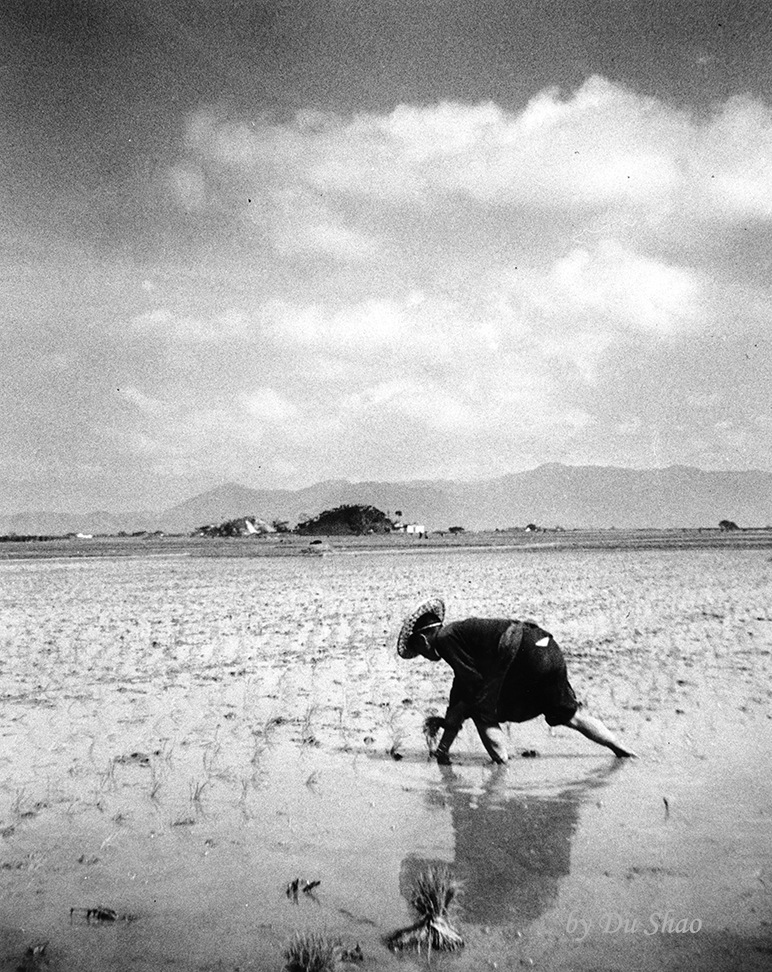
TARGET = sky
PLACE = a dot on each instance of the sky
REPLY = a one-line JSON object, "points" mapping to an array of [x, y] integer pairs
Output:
{"points": [[288, 241]]}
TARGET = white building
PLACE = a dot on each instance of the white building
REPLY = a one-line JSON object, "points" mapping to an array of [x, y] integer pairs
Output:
{"points": [[416, 528]]}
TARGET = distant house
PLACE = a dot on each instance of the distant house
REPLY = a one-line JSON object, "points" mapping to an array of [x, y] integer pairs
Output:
{"points": [[416, 529]]}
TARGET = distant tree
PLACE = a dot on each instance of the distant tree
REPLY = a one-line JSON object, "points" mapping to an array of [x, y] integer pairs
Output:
{"points": [[726, 525], [26, 538], [456, 529], [531, 528], [281, 526], [347, 520]]}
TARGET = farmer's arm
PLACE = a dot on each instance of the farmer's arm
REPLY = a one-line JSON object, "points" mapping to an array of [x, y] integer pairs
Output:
{"points": [[595, 730], [457, 713], [468, 679], [490, 733], [493, 739], [470, 694], [478, 679]]}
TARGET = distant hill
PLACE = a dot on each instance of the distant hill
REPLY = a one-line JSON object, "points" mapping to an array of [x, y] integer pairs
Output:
{"points": [[218, 505], [551, 495], [231, 499], [606, 496]]}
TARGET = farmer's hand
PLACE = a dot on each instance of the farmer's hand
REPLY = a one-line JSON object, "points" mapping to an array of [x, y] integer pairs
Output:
{"points": [[432, 725]]}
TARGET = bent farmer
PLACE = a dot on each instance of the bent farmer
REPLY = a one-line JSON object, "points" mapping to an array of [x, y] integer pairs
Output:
{"points": [[505, 671]]}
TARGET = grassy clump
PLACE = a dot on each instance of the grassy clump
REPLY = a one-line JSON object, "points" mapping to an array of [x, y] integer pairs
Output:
{"points": [[311, 952], [435, 898]]}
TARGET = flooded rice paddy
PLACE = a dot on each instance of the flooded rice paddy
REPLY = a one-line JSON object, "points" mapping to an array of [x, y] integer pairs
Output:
{"points": [[184, 737]]}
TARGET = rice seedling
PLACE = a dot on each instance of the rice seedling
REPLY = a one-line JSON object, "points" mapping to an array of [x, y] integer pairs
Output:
{"points": [[262, 738], [165, 751], [107, 779], [396, 733], [99, 915], [298, 885], [435, 899], [314, 952], [211, 754], [18, 802], [266, 730], [156, 780], [196, 793], [307, 737], [108, 840], [34, 958], [396, 743], [311, 952], [92, 746], [432, 726], [259, 745]]}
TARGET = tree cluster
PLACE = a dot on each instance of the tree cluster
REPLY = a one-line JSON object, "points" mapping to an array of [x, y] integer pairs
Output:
{"points": [[234, 528], [353, 519], [726, 525]]}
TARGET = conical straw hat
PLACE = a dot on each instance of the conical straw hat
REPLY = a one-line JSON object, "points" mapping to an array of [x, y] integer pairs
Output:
{"points": [[435, 606]]}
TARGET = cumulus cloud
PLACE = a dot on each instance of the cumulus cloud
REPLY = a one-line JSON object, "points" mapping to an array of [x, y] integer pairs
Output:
{"points": [[357, 329], [594, 206], [457, 288], [625, 289], [603, 146]]}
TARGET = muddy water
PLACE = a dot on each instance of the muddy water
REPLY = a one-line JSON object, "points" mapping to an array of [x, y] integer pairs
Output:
{"points": [[569, 861], [182, 763]]}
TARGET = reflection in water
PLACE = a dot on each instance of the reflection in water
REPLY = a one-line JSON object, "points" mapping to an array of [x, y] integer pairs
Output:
{"points": [[512, 849]]}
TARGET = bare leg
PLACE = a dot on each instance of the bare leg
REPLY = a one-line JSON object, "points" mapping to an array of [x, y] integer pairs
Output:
{"points": [[594, 729], [493, 739]]}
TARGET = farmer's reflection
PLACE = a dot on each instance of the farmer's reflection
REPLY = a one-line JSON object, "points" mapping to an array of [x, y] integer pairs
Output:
{"points": [[511, 849]]}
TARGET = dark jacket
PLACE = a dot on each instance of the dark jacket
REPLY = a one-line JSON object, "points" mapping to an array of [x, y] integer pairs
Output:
{"points": [[480, 652]]}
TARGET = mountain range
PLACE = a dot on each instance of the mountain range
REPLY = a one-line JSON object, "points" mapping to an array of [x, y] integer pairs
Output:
{"points": [[550, 495]]}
